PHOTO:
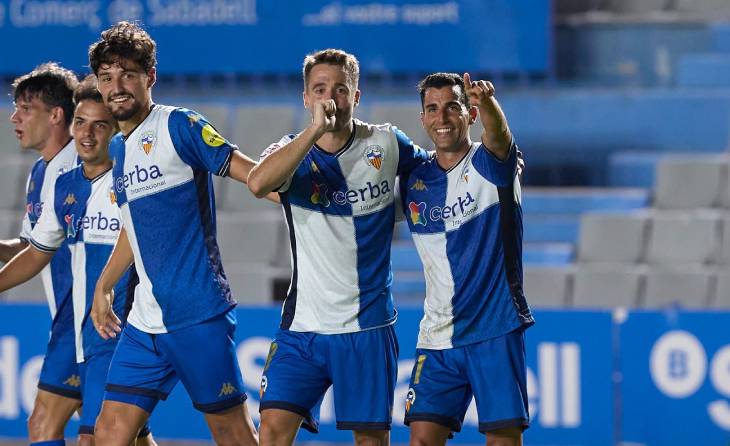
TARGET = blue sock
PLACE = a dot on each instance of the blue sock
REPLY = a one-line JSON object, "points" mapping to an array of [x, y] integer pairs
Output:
{"points": [[50, 443]]}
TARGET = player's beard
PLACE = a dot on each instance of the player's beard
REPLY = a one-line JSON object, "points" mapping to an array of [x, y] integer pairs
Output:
{"points": [[122, 114]]}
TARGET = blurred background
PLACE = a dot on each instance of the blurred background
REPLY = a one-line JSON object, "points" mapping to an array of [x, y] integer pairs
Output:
{"points": [[622, 111]]}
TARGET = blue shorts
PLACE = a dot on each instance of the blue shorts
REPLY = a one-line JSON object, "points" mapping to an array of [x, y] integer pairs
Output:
{"points": [[93, 378], [60, 372], [146, 367], [492, 371], [361, 367]]}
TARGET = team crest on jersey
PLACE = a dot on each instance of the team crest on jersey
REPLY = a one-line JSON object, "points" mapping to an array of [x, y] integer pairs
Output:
{"points": [[410, 398], [112, 196], [419, 186], [70, 199], [147, 141], [319, 194], [264, 385], [211, 136], [70, 225], [314, 167], [466, 175], [374, 156], [417, 213]]}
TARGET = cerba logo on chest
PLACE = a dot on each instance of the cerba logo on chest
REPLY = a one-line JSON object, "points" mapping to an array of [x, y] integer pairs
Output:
{"points": [[144, 174], [463, 205]]}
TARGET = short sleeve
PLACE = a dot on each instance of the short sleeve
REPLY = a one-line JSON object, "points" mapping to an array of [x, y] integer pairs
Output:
{"points": [[410, 154], [198, 143], [47, 234], [501, 173]]}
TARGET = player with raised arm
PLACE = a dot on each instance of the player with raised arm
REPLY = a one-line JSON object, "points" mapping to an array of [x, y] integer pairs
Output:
{"points": [[336, 180], [81, 214], [463, 209], [43, 110], [181, 324]]}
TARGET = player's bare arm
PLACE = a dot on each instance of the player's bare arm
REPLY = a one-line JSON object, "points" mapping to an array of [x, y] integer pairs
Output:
{"points": [[241, 166], [11, 248], [105, 321], [23, 267], [496, 135], [276, 168]]}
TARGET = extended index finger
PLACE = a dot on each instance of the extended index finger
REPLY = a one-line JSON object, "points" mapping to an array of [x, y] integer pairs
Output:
{"points": [[467, 82]]}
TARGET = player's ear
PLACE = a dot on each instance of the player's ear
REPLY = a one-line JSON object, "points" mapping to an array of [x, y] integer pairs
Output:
{"points": [[57, 115], [151, 77], [357, 98], [473, 114], [423, 123]]}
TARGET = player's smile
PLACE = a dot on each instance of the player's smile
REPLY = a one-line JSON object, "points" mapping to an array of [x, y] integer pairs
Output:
{"points": [[445, 119]]}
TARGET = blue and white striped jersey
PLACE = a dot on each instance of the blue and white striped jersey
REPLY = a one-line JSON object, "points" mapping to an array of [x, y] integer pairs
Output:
{"points": [[56, 277], [340, 212], [467, 227], [164, 189], [84, 216]]}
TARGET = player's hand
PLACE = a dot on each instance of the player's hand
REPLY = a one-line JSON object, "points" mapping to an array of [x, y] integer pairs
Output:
{"points": [[323, 115], [478, 92], [520, 164], [102, 315]]}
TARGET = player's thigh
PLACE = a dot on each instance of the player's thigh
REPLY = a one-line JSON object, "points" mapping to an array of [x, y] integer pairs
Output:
{"points": [[427, 433], [439, 390], [139, 374], [498, 376], [51, 412], [204, 358], [295, 378], [371, 437], [364, 367]]}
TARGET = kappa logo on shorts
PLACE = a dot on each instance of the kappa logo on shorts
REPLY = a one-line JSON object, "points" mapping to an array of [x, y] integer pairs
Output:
{"points": [[264, 385], [227, 389], [410, 399], [73, 381]]}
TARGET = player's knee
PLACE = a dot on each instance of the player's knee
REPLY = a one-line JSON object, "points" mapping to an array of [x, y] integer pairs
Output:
{"points": [[371, 438], [231, 435], [420, 439], [107, 431], [511, 436], [86, 440], [40, 427]]}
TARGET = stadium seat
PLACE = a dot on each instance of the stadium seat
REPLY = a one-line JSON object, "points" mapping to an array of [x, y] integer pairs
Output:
{"points": [[705, 9], [405, 115], [725, 252], [612, 237], [550, 227], [235, 197], [547, 287], [258, 126], [607, 285], [249, 238], [637, 7], [687, 287], [633, 169], [690, 183], [684, 237], [13, 177], [722, 290], [547, 253], [253, 283], [30, 291]]}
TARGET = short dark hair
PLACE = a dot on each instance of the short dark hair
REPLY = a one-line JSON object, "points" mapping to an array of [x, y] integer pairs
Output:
{"points": [[87, 90], [52, 84], [439, 80], [333, 57], [124, 40]]}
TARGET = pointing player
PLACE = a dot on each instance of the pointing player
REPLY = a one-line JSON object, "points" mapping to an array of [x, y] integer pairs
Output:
{"points": [[43, 110], [82, 214], [336, 182], [463, 209], [181, 324]]}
